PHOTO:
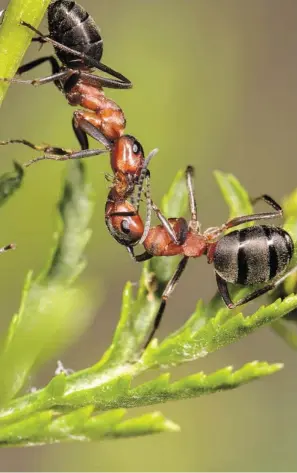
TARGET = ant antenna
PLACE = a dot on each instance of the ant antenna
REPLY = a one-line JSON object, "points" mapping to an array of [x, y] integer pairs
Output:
{"points": [[148, 212], [143, 175], [2, 13], [190, 186]]}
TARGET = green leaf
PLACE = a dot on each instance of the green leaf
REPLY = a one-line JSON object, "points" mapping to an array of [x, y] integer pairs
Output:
{"points": [[79, 425], [75, 207], [175, 201], [285, 329], [65, 409], [10, 182], [138, 313], [234, 194], [201, 335], [15, 39], [51, 314]]}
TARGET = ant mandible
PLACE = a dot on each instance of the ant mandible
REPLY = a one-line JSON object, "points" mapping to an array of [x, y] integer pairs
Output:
{"points": [[249, 256], [79, 47]]}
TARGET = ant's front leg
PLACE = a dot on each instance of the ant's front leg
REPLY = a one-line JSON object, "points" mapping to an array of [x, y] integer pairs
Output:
{"points": [[44, 148], [138, 258]]}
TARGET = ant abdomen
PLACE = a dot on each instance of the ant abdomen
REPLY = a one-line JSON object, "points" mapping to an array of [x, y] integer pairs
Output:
{"points": [[70, 25], [253, 255]]}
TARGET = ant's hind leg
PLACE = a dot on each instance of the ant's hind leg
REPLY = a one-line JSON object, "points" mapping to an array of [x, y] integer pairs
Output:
{"points": [[37, 62], [56, 75]]}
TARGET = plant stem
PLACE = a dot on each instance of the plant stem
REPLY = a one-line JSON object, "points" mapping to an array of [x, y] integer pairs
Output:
{"points": [[14, 38]]}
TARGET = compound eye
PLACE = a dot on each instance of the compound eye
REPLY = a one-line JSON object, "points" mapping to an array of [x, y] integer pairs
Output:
{"points": [[125, 227], [137, 148]]}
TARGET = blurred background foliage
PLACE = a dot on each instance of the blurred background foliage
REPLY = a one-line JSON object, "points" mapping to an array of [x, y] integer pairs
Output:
{"points": [[215, 86]]}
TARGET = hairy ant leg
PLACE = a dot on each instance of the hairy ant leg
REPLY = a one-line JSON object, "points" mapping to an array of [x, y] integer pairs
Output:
{"points": [[37, 62], [53, 150], [166, 294], [81, 136], [36, 82], [215, 232], [256, 216], [85, 153], [56, 76], [88, 129]]}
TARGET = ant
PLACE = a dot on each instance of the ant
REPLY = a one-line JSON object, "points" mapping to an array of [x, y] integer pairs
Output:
{"points": [[71, 26], [79, 47], [257, 254]]}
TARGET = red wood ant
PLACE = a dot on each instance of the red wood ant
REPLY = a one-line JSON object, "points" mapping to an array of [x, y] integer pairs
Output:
{"points": [[257, 254], [79, 46]]}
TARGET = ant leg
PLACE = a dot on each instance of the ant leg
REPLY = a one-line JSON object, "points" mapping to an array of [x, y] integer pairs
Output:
{"points": [[36, 82], [94, 132], [167, 225], [122, 83], [40, 39], [257, 216], [166, 294], [32, 64], [192, 204], [249, 218], [223, 290], [81, 136], [270, 201], [144, 176], [138, 258], [45, 148], [54, 66], [104, 81], [85, 153]]}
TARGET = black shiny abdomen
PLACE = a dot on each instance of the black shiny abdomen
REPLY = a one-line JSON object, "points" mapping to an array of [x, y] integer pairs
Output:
{"points": [[253, 255], [70, 25]]}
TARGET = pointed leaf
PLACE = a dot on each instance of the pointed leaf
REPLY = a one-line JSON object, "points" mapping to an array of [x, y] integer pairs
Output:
{"points": [[51, 313]]}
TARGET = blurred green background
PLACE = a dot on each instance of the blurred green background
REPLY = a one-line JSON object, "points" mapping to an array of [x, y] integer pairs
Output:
{"points": [[214, 86]]}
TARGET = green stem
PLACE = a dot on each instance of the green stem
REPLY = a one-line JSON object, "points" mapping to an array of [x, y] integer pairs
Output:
{"points": [[14, 38]]}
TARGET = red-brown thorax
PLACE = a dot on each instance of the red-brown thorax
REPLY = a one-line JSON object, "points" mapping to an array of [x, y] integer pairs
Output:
{"points": [[159, 243], [101, 112], [195, 245]]}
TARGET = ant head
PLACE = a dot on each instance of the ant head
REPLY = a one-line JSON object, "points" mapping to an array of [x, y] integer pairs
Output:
{"points": [[127, 156], [123, 223]]}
